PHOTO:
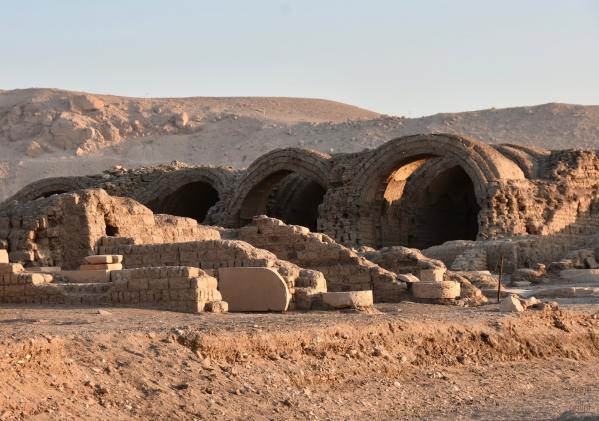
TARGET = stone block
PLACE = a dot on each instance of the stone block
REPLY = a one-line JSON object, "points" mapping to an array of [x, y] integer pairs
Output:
{"points": [[158, 283], [44, 269], [103, 259], [349, 299], [253, 289], [204, 282], [179, 283], [436, 290], [580, 275], [86, 276], [432, 275], [102, 266], [511, 304], [22, 256], [591, 263], [138, 284], [6, 268], [217, 307], [14, 290]]}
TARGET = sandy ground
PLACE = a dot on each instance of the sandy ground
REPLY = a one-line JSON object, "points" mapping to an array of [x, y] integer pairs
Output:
{"points": [[406, 361]]}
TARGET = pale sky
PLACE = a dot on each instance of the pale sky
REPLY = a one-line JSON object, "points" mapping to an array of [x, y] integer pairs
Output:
{"points": [[408, 58]]}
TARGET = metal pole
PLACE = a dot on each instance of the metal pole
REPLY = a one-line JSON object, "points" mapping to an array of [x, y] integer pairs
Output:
{"points": [[500, 276]]}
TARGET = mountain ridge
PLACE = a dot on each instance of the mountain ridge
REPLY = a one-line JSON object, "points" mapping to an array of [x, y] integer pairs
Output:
{"points": [[53, 132]]}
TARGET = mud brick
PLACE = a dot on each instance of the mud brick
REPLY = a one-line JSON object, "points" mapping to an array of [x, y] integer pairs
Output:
{"points": [[10, 268], [179, 283], [158, 284], [138, 284]]}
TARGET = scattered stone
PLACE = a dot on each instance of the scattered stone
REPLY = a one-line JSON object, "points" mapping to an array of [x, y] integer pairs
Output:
{"points": [[591, 263], [217, 307], [560, 325], [436, 290], [432, 275], [580, 275], [349, 299], [529, 302], [181, 120], [522, 277], [511, 304]]}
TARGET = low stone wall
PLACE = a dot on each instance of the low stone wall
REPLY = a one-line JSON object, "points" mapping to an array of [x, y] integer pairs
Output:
{"points": [[519, 252], [211, 255], [343, 268], [184, 289]]}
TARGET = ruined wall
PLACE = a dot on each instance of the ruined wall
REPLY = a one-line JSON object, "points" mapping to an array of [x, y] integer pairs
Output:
{"points": [[343, 268], [415, 191], [62, 229], [183, 289], [211, 255]]}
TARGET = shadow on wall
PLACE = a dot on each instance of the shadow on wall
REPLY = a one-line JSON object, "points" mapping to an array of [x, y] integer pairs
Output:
{"points": [[192, 200], [291, 197], [424, 209]]}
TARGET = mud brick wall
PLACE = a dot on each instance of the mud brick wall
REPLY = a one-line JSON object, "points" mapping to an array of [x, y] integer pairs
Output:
{"points": [[343, 269], [184, 289], [210, 255], [61, 230], [28, 288]]}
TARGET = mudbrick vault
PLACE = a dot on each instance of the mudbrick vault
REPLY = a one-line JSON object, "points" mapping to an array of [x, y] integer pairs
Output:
{"points": [[382, 223]]}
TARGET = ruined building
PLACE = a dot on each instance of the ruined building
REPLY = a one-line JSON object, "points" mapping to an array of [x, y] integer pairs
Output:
{"points": [[463, 202]]}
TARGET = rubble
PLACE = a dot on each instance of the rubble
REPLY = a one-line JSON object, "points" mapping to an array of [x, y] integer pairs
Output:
{"points": [[511, 304]]}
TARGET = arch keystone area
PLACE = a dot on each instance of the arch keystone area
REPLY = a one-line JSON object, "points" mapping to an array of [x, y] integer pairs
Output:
{"points": [[262, 175], [189, 192], [49, 186], [482, 164]]}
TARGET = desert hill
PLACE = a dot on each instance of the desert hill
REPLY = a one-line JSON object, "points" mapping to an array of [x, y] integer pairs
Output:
{"points": [[50, 132]]}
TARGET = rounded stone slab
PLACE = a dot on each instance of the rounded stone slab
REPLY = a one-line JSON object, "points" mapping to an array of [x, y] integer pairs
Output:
{"points": [[349, 299], [436, 290], [253, 289]]}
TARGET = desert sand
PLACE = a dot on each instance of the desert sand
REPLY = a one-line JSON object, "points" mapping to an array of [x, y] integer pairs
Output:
{"points": [[50, 132]]}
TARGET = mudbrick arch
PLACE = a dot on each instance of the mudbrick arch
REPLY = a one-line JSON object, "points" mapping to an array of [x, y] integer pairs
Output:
{"points": [[478, 161], [528, 158], [190, 192], [49, 186], [437, 204], [263, 180]]}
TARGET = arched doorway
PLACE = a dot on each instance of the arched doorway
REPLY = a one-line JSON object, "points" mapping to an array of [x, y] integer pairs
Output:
{"points": [[435, 207], [445, 202], [192, 200], [291, 197], [288, 184]]}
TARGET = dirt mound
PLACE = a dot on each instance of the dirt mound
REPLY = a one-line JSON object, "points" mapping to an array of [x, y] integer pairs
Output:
{"points": [[407, 361], [49, 132]]}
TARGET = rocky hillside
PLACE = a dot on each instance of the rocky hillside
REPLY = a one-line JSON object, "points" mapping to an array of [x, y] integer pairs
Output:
{"points": [[49, 132]]}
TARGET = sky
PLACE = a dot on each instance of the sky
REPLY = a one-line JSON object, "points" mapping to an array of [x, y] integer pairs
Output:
{"points": [[408, 58]]}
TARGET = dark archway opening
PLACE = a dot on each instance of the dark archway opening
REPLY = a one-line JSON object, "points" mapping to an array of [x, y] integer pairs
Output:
{"points": [[426, 206], [192, 200], [50, 193], [291, 197], [444, 209]]}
